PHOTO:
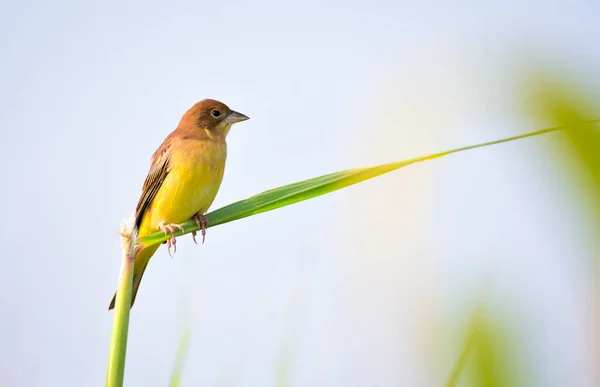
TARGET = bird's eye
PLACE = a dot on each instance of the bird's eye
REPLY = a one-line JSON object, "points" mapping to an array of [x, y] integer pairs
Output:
{"points": [[215, 113]]}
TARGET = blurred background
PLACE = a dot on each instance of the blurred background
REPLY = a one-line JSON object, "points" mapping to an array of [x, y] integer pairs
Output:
{"points": [[489, 256]]}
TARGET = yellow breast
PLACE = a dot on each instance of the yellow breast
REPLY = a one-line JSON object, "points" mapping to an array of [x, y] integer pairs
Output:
{"points": [[195, 175]]}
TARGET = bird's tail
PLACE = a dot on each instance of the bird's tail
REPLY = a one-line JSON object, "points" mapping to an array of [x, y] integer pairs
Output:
{"points": [[141, 261]]}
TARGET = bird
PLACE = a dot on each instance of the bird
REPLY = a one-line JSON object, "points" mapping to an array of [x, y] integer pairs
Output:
{"points": [[184, 177]]}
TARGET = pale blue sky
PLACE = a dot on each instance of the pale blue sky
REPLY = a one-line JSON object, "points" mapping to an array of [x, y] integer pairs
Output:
{"points": [[366, 287]]}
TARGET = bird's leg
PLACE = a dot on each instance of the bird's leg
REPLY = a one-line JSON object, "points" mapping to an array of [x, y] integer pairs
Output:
{"points": [[166, 228], [201, 222]]}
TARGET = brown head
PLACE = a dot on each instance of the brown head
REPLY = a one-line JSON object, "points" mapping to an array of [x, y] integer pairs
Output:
{"points": [[211, 118]]}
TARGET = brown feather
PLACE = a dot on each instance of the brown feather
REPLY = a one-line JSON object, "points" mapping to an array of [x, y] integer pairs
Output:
{"points": [[157, 174]]}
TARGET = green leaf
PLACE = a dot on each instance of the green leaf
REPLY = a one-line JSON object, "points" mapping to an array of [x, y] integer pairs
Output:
{"points": [[297, 192]]}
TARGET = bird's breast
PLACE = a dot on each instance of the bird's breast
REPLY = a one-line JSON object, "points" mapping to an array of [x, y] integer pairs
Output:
{"points": [[194, 178]]}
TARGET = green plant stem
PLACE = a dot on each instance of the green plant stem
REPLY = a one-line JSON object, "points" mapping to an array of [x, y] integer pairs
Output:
{"points": [[120, 329]]}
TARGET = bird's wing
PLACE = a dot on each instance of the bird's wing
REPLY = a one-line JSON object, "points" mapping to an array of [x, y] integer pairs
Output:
{"points": [[157, 174]]}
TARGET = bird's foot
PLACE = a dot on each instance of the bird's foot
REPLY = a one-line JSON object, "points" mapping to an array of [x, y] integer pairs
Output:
{"points": [[170, 228], [201, 222]]}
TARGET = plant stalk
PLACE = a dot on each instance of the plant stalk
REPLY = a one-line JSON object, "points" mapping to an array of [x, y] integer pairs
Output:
{"points": [[118, 340]]}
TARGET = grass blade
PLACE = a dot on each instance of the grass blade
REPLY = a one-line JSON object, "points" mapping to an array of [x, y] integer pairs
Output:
{"points": [[307, 189]]}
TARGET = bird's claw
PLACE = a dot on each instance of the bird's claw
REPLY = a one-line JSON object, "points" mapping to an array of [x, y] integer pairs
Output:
{"points": [[201, 222], [170, 228]]}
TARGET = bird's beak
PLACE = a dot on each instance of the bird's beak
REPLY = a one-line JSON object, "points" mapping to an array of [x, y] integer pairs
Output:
{"points": [[234, 117]]}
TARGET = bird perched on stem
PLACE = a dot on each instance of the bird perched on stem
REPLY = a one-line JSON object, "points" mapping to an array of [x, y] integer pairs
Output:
{"points": [[184, 178]]}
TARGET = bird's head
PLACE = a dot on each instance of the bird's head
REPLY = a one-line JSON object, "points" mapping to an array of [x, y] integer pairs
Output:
{"points": [[211, 117]]}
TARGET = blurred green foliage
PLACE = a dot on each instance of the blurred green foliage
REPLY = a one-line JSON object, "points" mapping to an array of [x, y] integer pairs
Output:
{"points": [[182, 351], [572, 109], [568, 108], [488, 351]]}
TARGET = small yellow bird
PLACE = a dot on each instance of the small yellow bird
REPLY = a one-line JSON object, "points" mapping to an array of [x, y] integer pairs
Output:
{"points": [[184, 178]]}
